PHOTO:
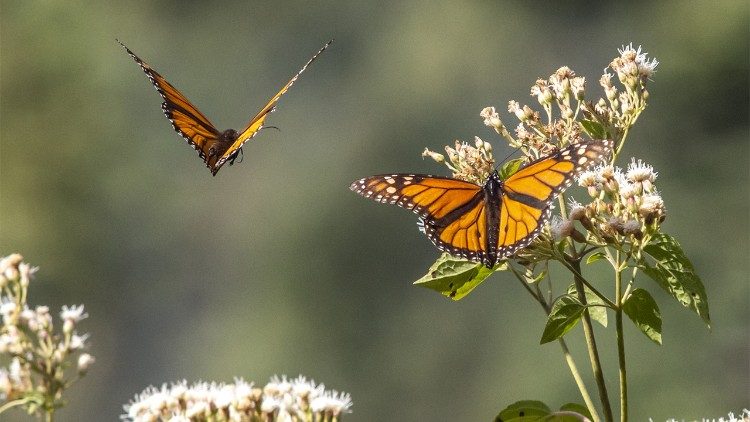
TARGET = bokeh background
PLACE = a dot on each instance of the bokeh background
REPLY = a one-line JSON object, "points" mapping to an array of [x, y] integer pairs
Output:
{"points": [[274, 267]]}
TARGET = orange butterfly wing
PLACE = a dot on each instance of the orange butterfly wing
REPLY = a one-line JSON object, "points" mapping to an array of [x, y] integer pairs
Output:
{"points": [[214, 147], [527, 195], [186, 119], [257, 122], [452, 211], [491, 222]]}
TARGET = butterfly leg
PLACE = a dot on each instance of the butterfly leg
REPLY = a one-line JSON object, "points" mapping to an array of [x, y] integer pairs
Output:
{"points": [[234, 156]]}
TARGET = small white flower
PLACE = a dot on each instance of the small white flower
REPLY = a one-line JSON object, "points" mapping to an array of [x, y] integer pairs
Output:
{"points": [[197, 409], [640, 171], [84, 361], [589, 178], [559, 227], [78, 342], [73, 313], [578, 86], [270, 404], [224, 397], [631, 227], [627, 192], [179, 390], [491, 117], [7, 309], [334, 402], [9, 261], [646, 67], [302, 387], [27, 273], [243, 393], [573, 204], [652, 203]]}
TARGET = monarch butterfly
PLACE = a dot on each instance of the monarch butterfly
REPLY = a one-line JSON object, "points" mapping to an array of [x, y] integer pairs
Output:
{"points": [[491, 222], [214, 147]]}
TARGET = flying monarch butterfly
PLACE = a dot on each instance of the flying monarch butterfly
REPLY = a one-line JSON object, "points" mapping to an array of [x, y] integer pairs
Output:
{"points": [[214, 147], [491, 222]]}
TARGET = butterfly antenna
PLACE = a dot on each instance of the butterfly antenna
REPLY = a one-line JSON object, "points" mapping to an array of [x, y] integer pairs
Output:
{"points": [[500, 163]]}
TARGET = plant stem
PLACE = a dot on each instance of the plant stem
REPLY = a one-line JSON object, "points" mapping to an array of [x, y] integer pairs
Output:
{"points": [[579, 381], [566, 352], [588, 331], [620, 341], [13, 403], [576, 270]]}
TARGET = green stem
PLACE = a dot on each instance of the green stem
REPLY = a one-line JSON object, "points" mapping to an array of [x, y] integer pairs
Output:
{"points": [[576, 270], [621, 341], [13, 403], [579, 381], [588, 331], [566, 352]]}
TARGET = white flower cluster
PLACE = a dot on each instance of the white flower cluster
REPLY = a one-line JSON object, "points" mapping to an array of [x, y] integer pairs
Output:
{"points": [[744, 416], [624, 202], [622, 108], [471, 163], [283, 400], [37, 354]]}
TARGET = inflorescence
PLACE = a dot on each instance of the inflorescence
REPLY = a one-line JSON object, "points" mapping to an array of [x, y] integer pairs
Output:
{"points": [[295, 400]]}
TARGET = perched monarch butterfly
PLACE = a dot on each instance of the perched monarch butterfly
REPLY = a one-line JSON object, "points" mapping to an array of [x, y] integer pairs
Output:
{"points": [[491, 222], [213, 146]]}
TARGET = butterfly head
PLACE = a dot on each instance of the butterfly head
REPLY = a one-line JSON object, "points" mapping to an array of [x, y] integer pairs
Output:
{"points": [[229, 135]]}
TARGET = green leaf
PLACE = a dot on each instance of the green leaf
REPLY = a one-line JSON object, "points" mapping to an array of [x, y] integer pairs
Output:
{"points": [[565, 313], [675, 274], [578, 408], [594, 129], [536, 411], [454, 277], [597, 310], [510, 167], [523, 411], [596, 257], [643, 311]]}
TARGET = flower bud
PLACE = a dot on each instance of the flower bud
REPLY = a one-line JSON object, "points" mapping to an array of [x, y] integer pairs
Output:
{"points": [[491, 118], [577, 213], [577, 236], [440, 158]]}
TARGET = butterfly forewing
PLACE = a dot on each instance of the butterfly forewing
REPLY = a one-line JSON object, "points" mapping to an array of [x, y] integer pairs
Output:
{"points": [[257, 122], [527, 195], [453, 211], [186, 119]]}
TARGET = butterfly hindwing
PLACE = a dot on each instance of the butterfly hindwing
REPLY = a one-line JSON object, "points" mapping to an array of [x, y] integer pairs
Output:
{"points": [[257, 122]]}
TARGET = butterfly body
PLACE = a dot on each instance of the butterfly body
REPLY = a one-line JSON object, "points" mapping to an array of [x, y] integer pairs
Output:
{"points": [[214, 147], [490, 222]]}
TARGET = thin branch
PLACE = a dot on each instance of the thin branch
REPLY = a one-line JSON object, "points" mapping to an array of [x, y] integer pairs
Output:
{"points": [[588, 331]]}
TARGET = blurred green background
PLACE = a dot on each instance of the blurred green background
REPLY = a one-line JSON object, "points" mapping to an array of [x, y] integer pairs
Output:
{"points": [[274, 267]]}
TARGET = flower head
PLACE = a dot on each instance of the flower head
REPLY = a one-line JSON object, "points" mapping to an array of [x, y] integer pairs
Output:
{"points": [[280, 400]]}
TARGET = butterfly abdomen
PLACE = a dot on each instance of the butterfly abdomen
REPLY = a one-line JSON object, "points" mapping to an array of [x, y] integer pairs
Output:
{"points": [[492, 198]]}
